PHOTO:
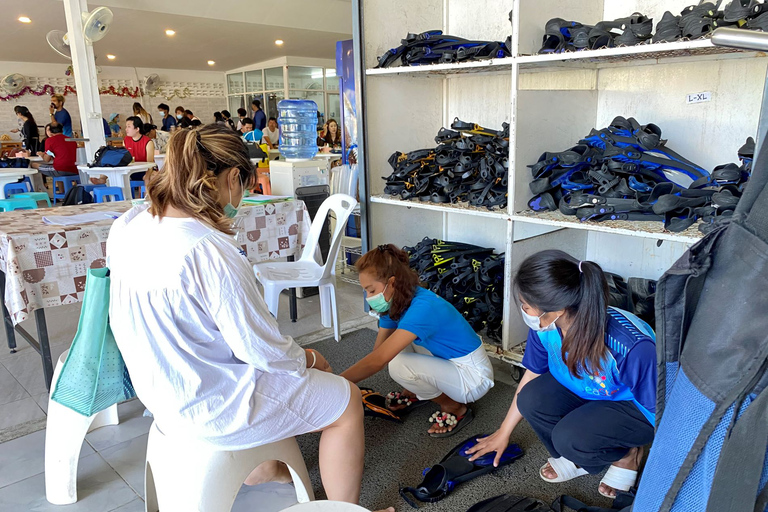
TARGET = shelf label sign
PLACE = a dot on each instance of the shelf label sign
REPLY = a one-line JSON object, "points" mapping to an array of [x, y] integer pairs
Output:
{"points": [[698, 97]]}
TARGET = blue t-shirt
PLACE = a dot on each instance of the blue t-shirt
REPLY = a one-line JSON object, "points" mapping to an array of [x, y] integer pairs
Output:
{"points": [[628, 374], [254, 136], [62, 117], [438, 326], [259, 120], [168, 121]]}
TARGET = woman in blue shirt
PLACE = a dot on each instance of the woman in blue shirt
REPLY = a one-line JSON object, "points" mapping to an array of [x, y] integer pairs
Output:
{"points": [[589, 390], [427, 344]]}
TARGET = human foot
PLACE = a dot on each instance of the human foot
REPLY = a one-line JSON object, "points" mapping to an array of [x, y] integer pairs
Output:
{"points": [[400, 400], [269, 471], [101, 180], [631, 461], [458, 410]]}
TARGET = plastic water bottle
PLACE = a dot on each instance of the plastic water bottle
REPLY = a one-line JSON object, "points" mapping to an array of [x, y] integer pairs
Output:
{"points": [[298, 129]]}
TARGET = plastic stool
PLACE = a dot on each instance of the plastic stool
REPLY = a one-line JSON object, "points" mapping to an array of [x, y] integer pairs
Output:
{"points": [[140, 186], [15, 188], [67, 182], [183, 475], [37, 196], [8, 205], [64, 436], [108, 194]]}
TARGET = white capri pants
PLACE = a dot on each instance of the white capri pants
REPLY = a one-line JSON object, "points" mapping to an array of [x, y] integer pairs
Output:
{"points": [[464, 379]]}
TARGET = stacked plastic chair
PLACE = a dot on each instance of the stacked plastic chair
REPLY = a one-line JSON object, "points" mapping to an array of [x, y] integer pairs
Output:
{"points": [[468, 276], [470, 164]]}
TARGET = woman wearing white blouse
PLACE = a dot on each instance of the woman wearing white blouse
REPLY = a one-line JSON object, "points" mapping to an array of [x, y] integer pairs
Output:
{"points": [[205, 356]]}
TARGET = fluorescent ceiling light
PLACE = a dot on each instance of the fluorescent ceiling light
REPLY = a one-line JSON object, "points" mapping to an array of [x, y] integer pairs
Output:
{"points": [[110, 56], [170, 32], [211, 62], [24, 19], [279, 42]]}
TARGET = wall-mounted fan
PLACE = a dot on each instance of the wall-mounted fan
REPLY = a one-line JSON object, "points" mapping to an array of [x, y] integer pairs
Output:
{"points": [[151, 83], [95, 26], [13, 83]]}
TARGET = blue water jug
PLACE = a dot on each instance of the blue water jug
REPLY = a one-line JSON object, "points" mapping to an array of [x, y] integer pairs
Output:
{"points": [[298, 129]]}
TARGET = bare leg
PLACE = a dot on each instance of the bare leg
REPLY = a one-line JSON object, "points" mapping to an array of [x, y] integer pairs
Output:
{"points": [[269, 471], [450, 405]]}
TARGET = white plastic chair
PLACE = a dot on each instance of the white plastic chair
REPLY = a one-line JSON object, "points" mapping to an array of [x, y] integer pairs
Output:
{"points": [[306, 272], [180, 476], [64, 436], [325, 506]]}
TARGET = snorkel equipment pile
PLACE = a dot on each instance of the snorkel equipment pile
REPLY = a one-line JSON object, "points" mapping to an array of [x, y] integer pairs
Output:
{"points": [[434, 47], [470, 164], [694, 22], [627, 172], [469, 277]]}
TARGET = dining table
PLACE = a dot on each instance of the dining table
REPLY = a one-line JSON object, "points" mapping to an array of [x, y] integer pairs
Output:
{"points": [[118, 176], [12, 175], [45, 265]]}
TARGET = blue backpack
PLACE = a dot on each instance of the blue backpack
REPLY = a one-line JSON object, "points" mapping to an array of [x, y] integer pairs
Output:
{"points": [[108, 156], [709, 454]]}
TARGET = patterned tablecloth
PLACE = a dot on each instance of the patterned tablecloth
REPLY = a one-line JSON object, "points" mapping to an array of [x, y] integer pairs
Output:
{"points": [[46, 265]]}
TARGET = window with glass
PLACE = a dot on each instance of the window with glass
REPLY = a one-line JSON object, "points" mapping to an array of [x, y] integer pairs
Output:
{"points": [[273, 98], [274, 79], [254, 81], [235, 102], [331, 80], [305, 78], [235, 84], [334, 107]]}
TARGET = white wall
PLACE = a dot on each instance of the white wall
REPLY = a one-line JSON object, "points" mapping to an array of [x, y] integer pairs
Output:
{"points": [[207, 92]]}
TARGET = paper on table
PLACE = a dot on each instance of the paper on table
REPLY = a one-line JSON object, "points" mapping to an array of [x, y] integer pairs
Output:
{"points": [[261, 199], [82, 218]]}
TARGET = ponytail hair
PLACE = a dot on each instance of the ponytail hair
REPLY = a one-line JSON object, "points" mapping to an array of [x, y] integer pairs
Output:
{"points": [[553, 281], [390, 261], [188, 182]]}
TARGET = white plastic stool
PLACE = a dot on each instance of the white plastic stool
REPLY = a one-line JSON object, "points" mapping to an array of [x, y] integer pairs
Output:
{"points": [[64, 436], [325, 506], [179, 476]]}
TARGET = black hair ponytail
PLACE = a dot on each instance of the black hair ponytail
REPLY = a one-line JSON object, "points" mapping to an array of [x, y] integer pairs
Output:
{"points": [[553, 281]]}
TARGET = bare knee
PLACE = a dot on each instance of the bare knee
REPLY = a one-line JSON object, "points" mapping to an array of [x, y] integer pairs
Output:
{"points": [[353, 414]]}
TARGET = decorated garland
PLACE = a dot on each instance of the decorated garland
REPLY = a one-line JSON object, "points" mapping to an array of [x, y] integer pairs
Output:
{"points": [[48, 89]]}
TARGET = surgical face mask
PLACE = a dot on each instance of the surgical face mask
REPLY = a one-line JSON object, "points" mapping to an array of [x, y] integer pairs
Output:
{"points": [[179, 116], [378, 303], [229, 209], [534, 322], [162, 114]]}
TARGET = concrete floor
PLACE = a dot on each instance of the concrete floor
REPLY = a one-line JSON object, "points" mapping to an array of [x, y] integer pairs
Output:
{"points": [[111, 470]]}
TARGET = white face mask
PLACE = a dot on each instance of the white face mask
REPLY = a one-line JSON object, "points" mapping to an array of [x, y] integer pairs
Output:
{"points": [[534, 322]]}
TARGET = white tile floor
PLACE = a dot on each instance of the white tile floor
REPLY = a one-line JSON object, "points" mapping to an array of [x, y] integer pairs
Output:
{"points": [[111, 469]]}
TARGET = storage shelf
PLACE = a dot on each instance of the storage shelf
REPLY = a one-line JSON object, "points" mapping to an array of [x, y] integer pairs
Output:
{"points": [[698, 49], [463, 208], [649, 229], [480, 66]]}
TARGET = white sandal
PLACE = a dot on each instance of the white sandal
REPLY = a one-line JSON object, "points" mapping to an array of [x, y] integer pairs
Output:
{"points": [[565, 469], [618, 478]]}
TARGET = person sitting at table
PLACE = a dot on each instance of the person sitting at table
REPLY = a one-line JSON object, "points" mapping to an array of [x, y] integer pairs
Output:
{"points": [[241, 114], [29, 133], [159, 138], [271, 134], [60, 115], [180, 113], [330, 138], [221, 372], [60, 154], [192, 117], [251, 134], [228, 118], [168, 120], [114, 124], [141, 148]]}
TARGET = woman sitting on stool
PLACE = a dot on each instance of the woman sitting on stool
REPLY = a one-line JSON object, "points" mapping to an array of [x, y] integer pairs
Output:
{"points": [[589, 390], [430, 348]]}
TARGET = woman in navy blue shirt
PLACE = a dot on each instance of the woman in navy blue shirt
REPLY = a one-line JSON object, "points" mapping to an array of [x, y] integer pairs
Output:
{"points": [[589, 390], [427, 344]]}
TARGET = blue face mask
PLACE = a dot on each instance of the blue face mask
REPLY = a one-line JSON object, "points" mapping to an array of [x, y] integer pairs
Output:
{"points": [[179, 116], [378, 303], [231, 210], [162, 114]]}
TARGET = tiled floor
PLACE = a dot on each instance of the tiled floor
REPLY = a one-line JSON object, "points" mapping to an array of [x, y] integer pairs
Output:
{"points": [[111, 468]]}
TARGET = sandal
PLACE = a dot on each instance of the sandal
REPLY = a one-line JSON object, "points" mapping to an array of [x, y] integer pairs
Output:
{"points": [[400, 399], [375, 405], [455, 468], [618, 478], [565, 469], [443, 419]]}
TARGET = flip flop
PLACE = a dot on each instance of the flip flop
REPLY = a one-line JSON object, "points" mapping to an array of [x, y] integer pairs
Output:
{"points": [[410, 403], [458, 423], [375, 405], [618, 478], [565, 469]]}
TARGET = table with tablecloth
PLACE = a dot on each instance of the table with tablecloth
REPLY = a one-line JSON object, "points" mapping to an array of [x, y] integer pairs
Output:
{"points": [[46, 265]]}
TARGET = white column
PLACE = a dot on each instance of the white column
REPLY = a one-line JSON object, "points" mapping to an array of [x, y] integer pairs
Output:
{"points": [[87, 84]]}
